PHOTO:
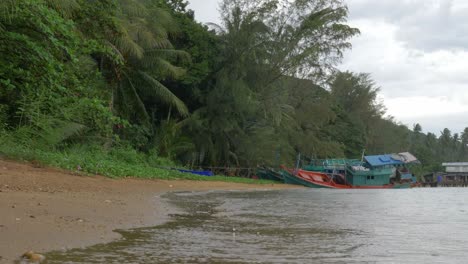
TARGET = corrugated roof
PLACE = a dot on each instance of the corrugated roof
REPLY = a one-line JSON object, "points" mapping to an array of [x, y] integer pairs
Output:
{"points": [[382, 160], [391, 159], [407, 157], [455, 164]]}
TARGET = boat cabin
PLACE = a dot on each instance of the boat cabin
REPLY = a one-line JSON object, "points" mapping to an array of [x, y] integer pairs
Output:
{"points": [[328, 165], [379, 170]]}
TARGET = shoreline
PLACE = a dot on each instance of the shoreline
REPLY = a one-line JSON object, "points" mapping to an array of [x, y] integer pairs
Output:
{"points": [[45, 209]]}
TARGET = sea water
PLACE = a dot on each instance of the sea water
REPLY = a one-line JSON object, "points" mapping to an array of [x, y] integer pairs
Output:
{"points": [[425, 225]]}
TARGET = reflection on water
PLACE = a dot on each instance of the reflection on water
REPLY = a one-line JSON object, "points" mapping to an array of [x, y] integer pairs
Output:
{"points": [[298, 226]]}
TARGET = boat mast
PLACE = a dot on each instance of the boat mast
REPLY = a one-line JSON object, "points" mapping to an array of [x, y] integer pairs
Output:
{"points": [[297, 162]]}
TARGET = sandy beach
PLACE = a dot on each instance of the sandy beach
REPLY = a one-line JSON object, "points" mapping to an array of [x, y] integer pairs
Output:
{"points": [[44, 209]]}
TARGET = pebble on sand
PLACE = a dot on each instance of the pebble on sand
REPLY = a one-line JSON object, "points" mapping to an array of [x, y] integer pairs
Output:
{"points": [[31, 257]]}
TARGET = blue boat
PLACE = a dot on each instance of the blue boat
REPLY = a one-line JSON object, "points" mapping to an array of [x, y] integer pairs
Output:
{"points": [[201, 173]]}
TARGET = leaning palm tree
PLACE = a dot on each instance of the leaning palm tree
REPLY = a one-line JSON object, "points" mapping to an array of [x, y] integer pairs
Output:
{"points": [[142, 44]]}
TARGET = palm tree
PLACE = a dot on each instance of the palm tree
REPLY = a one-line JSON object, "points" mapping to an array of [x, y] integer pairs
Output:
{"points": [[141, 44]]}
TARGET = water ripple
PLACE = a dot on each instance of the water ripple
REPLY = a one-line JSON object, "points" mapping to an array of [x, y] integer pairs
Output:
{"points": [[297, 226]]}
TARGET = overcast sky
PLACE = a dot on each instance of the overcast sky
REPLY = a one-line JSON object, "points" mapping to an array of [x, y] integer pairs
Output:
{"points": [[416, 51]]}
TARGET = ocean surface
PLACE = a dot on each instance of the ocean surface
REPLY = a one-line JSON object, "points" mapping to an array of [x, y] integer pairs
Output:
{"points": [[424, 225]]}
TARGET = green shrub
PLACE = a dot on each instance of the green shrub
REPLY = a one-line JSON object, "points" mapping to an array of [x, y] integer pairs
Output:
{"points": [[118, 162]]}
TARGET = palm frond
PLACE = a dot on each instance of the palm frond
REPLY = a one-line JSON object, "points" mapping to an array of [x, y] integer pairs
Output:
{"points": [[127, 46], [163, 19], [170, 54], [143, 35], [161, 36], [163, 68], [132, 98], [54, 131], [118, 55], [133, 8], [125, 43], [160, 91]]}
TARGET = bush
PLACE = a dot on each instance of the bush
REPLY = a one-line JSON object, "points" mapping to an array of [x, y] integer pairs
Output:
{"points": [[118, 162]]}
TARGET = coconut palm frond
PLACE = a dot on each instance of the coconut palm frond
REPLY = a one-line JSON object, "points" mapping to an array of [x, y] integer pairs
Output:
{"points": [[149, 39], [161, 34], [168, 70], [160, 91], [162, 18], [131, 98], [163, 68], [142, 33], [133, 8], [169, 54], [128, 47], [125, 42], [54, 131]]}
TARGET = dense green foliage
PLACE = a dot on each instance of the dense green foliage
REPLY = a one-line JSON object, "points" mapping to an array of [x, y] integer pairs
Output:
{"points": [[122, 87]]}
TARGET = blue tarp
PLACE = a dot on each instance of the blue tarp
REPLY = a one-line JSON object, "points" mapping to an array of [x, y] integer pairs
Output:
{"points": [[202, 173], [382, 160]]}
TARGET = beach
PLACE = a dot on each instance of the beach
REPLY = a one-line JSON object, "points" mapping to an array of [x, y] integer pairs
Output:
{"points": [[44, 209]]}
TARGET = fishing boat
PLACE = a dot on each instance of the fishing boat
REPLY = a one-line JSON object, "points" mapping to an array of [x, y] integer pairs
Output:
{"points": [[269, 174], [322, 180], [196, 172], [311, 179], [382, 170], [373, 172]]}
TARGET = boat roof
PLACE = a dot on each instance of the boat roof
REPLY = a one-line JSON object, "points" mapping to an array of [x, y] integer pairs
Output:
{"points": [[407, 157], [382, 160], [391, 159]]}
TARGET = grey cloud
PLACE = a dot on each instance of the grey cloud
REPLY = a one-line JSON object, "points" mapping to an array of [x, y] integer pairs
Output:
{"points": [[424, 25], [205, 10], [381, 9]]}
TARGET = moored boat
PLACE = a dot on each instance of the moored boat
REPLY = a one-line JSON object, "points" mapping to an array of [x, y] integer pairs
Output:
{"points": [[377, 170], [373, 172], [322, 180], [311, 179], [269, 174], [328, 165], [196, 172]]}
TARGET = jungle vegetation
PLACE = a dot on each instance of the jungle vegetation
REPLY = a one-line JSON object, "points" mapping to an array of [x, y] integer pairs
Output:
{"points": [[142, 83]]}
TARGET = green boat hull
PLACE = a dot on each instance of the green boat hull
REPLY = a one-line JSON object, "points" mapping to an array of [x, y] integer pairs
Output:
{"points": [[293, 179], [269, 174]]}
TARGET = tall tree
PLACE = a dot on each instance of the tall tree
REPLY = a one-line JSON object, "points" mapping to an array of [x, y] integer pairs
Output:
{"points": [[356, 94], [262, 42], [464, 145], [446, 143]]}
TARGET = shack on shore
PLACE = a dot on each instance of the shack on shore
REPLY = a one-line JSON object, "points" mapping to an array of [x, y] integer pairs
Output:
{"points": [[455, 175]]}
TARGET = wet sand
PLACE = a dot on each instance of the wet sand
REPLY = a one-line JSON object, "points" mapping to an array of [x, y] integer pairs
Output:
{"points": [[44, 209]]}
